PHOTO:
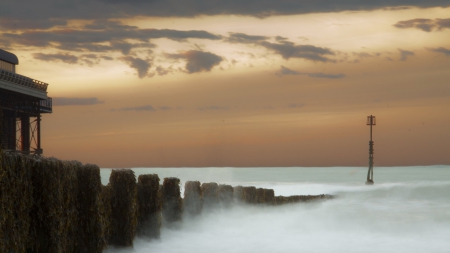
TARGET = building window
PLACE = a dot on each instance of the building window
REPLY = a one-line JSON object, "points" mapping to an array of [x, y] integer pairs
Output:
{"points": [[7, 66]]}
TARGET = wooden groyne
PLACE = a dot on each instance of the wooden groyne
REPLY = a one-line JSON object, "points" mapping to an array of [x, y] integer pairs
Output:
{"points": [[53, 206]]}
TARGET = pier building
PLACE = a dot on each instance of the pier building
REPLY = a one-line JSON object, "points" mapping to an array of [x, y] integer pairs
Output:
{"points": [[22, 102]]}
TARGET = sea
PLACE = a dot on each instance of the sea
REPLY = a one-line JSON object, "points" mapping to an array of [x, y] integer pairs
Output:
{"points": [[406, 210]]}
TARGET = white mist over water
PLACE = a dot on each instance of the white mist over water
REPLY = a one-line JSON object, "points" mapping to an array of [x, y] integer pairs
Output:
{"points": [[407, 210]]}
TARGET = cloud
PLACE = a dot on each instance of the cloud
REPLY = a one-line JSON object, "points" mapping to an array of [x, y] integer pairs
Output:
{"points": [[108, 58], [295, 105], [179, 35], [142, 66], [404, 54], [308, 52], [66, 58], [441, 50], [90, 56], [148, 108], [284, 48], [88, 10], [22, 24], [165, 108], [323, 75], [64, 101], [245, 38], [101, 36], [213, 108], [104, 24], [124, 47], [143, 108], [363, 55], [286, 71], [426, 25], [163, 71], [89, 59], [197, 61]]}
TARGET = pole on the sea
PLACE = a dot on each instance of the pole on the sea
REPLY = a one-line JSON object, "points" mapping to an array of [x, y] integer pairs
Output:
{"points": [[370, 122]]}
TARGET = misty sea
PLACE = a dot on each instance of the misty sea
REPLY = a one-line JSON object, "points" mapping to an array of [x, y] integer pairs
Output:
{"points": [[406, 210]]}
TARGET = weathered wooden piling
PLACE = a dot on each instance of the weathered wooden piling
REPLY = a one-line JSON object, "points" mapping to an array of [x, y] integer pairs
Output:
{"points": [[105, 212], [249, 194], [226, 193], [124, 207], [269, 196], [210, 195], [172, 210], [51, 205], [54, 213], [259, 196], [150, 204], [238, 194], [281, 200], [89, 234], [193, 198]]}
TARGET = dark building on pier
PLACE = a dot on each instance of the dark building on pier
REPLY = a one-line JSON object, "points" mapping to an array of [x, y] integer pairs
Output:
{"points": [[22, 101]]}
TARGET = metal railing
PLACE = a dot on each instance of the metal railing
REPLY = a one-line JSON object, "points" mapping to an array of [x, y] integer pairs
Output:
{"points": [[46, 105], [22, 80]]}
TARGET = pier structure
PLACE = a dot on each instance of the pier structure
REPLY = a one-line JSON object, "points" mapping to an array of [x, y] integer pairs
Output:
{"points": [[22, 101], [371, 121]]}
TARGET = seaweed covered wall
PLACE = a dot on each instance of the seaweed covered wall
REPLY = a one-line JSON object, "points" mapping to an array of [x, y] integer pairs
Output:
{"points": [[53, 206], [16, 201], [37, 206]]}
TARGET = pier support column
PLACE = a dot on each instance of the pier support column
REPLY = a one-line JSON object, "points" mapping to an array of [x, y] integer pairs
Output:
{"points": [[25, 134], [39, 150], [9, 131]]}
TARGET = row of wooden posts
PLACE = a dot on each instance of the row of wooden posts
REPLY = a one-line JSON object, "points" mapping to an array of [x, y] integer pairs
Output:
{"points": [[53, 206]]}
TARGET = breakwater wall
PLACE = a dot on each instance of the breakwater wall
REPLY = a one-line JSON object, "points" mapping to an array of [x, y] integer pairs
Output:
{"points": [[53, 206]]}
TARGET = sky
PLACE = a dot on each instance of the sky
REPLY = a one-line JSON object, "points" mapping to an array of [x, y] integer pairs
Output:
{"points": [[196, 83]]}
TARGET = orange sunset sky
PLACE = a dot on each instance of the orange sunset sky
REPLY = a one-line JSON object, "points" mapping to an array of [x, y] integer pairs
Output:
{"points": [[237, 83]]}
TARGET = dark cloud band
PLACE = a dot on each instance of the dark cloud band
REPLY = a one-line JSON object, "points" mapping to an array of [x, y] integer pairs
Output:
{"points": [[197, 61], [142, 66], [84, 9], [65, 101], [426, 25], [283, 47], [441, 50], [286, 71], [101, 36], [404, 54]]}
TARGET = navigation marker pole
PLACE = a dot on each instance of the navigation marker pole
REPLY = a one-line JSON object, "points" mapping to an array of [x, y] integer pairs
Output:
{"points": [[370, 122]]}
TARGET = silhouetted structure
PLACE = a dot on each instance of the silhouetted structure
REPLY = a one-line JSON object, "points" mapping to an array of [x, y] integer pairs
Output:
{"points": [[22, 101], [370, 122]]}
